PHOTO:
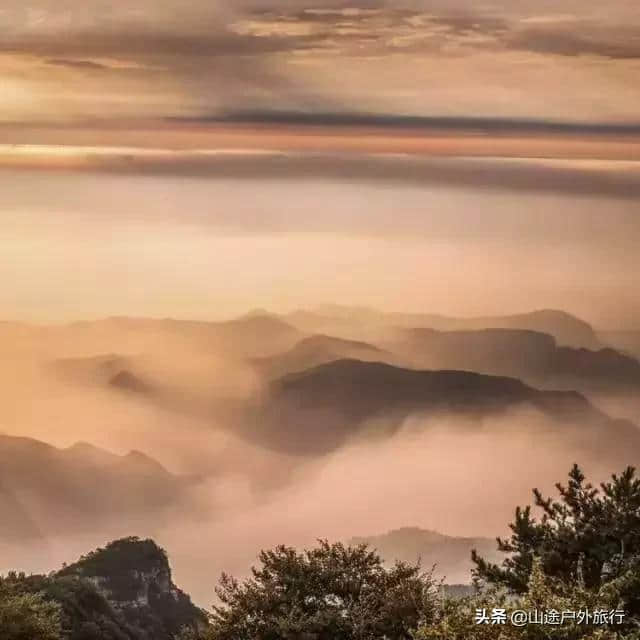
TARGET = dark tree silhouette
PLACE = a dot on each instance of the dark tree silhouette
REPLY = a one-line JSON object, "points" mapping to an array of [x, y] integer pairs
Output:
{"points": [[590, 535], [331, 592]]}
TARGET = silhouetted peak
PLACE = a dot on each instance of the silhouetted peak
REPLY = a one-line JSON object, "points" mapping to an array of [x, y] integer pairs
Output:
{"points": [[84, 448], [259, 313], [136, 460], [121, 557], [88, 454], [381, 374], [260, 321], [127, 381], [322, 341]]}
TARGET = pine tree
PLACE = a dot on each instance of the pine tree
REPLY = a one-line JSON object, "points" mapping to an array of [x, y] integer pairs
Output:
{"points": [[589, 535]]}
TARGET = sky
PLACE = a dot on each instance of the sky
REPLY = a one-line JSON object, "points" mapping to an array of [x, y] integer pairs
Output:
{"points": [[70, 60], [85, 245], [201, 157]]}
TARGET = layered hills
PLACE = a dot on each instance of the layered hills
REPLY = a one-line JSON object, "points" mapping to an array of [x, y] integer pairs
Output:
{"points": [[529, 355], [320, 408], [567, 329], [45, 490]]}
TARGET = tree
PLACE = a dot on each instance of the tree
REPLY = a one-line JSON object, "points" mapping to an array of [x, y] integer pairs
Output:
{"points": [[456, 620], [26, 616], [590, 535], [330, 592]]}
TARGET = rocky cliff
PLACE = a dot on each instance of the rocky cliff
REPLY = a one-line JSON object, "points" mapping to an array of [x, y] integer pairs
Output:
{"points": [[134, 577]]}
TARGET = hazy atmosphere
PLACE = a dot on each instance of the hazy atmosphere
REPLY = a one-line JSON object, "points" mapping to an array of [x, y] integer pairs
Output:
{"points": [[285, 271]]}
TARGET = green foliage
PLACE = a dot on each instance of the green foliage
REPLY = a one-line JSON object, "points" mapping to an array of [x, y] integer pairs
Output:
{"points": [[121, 555], [582, 554], [26, 616], [330, 592], [136, 576], [587, 534], [122, 592], [82, 612], [455, 620]]}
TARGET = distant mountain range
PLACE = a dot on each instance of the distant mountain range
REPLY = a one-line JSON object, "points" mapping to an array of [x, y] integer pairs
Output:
{"points": [[316, 350], [532, 356], [260, 333], [319, 389], [317, 410], [625, 341], [252, 335], [49, 491], [99, 369], [356, 321], [451, 556], [546, 348], [323, 389], [518, 353]]}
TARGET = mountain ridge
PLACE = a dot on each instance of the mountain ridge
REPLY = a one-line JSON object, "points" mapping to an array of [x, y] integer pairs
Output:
{"points": [[566, 328], [317, 409], [522, 353], [450, 555], [82, 487]]}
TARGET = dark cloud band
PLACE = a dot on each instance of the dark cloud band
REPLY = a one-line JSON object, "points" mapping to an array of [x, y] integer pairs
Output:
{"points": [[577, 178], [391, 121]]}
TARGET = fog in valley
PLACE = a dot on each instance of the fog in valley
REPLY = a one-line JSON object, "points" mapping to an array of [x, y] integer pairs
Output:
{"points": [[220, 437], [232, 363]]}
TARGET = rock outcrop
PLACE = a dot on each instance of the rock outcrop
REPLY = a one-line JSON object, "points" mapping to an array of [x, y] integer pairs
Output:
{"points": [[134, 577]]}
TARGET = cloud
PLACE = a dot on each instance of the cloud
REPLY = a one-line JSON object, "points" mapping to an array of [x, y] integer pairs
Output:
{"points": [[462, 24], [391, 121], [77, 64], [279, 27], [153, 44], [209, 56], [375, 30], [576, 178], [573, 39]]}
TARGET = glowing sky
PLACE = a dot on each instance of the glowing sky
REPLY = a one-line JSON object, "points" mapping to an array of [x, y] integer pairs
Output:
{"points": [[562, 59], [200, 157], [90, 244]]}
